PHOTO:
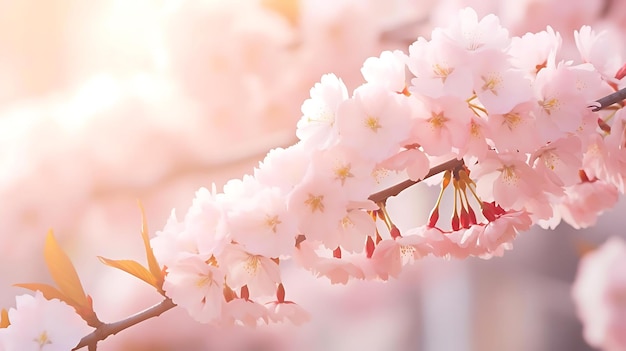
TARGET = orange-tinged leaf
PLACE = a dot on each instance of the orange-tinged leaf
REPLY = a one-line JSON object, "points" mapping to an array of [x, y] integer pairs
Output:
{"points": [[48, 291], [290, 9], [133, 268], [153, 265], [63, 272], [4, 318]]}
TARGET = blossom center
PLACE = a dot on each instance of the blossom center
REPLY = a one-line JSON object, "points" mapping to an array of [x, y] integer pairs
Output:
{"points": [[346, 222], [438, 120], [442, 71], [406, 253], [372, 123], [511, 120], [315, 202], [204, 280], [43, 340], [550, 105], [509, 175], [272, 222], [343, 173], [491, 83], [252, 265]]}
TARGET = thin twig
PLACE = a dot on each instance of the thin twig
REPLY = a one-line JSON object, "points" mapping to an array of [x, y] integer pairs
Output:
{"points": [[103, 331], [608, 100], [394, 190]]}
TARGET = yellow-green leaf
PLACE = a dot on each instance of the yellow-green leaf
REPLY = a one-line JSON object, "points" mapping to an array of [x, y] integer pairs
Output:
{"points": [[63, 272], [48, 291], [153, 265], [4, 318], [133, 268]]}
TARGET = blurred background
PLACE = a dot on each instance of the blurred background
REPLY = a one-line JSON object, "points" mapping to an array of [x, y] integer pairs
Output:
{"points": [[106, 102]]}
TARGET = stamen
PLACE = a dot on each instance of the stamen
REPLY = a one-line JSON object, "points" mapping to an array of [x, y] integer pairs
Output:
{"points": [[434, 214]]}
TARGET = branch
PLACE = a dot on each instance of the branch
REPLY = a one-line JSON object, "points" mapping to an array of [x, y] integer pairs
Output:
{"points": [[103, 331], [383, 195], [609, 100]]}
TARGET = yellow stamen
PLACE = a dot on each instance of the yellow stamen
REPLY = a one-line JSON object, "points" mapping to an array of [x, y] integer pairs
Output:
{"points": [[315, 202], [372, 123]]}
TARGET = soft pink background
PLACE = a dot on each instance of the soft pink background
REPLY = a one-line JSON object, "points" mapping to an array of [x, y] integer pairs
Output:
{"points": [[103, 103]]}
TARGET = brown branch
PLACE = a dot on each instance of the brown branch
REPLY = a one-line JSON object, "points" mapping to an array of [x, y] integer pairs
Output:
{"points": [[106, 329], [383, 195]]}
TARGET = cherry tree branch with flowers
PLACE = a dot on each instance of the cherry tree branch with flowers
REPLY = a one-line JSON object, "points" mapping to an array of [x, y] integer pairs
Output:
{"points": [[505, 119]]}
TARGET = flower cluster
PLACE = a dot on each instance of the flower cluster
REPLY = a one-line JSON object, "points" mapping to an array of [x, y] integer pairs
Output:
{"points": [[510, 116], [502, 123]]}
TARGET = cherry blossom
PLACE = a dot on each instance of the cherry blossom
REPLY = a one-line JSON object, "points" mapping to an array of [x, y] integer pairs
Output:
{"points": [[599, 292], [196, 286], [374, 122], [39, 324], [259, 273], [317, 124]]}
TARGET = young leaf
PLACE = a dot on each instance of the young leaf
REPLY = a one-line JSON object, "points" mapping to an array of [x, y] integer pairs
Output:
{"points": [[63, 272], [133, 268], [153, 265], [4, 318]]}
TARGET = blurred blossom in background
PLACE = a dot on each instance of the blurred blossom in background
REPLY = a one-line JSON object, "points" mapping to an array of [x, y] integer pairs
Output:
{"points": [[104, 102]]}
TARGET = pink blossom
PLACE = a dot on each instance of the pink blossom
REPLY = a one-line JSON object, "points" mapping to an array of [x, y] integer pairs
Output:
{"points": [[257, 218], [337, 270], [205, 220], [603, 50], [317, 124], [391, 255], [243, 311], [584, 202], [353, 229], [599, 293], [559, 161], [173, 242], [374, 122], [477, 145], [412, 159], [531, 51], [498, 85], [38, 324], [259, 273], [289, 311], [346, 167], [197, 286], [561, 94], [283, 168], [508, 180], [615, 144], [319, 205], [442, 125], [474, 35], [388, 70], [202, 232], [503, 230], [439, 69], [514, 130]]}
